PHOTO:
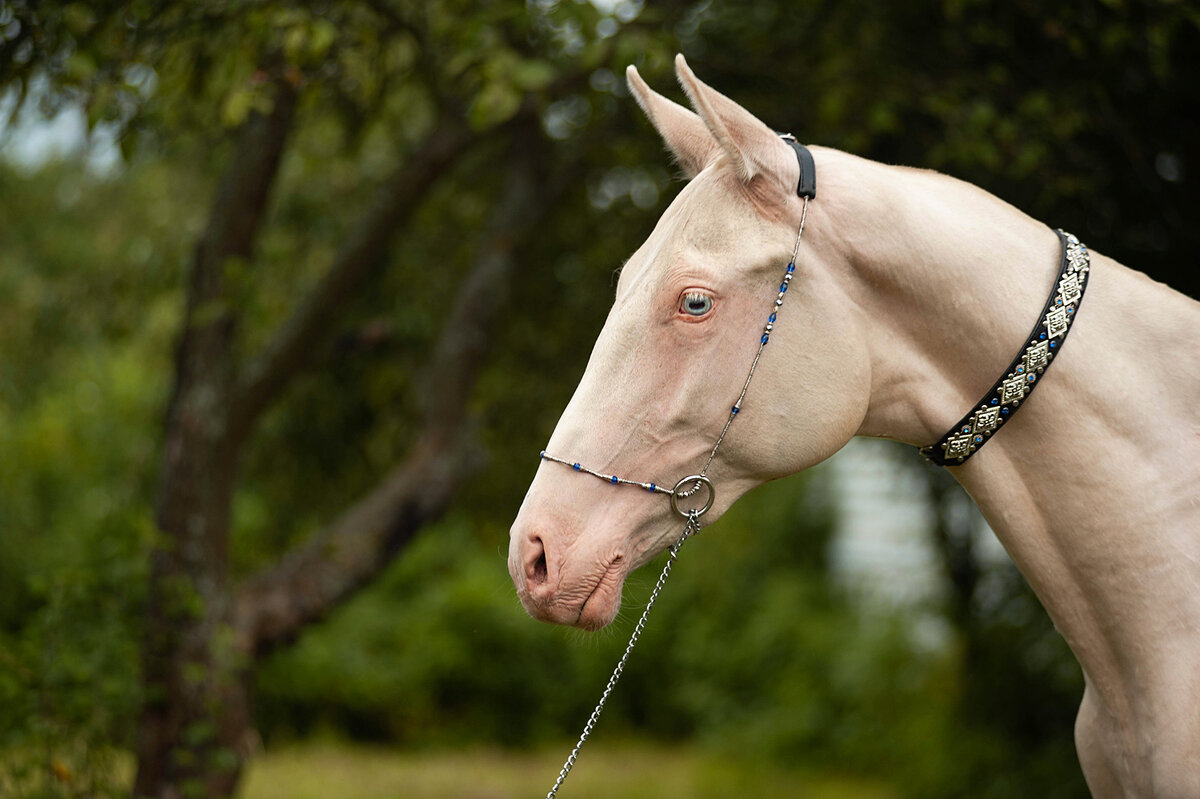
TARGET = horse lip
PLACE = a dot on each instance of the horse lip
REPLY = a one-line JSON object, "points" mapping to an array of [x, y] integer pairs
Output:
{"points": [[613, 568]]}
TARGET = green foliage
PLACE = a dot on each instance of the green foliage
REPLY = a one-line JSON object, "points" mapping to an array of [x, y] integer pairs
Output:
{"points": [[750, 651], [439, 650], [84, 342]]}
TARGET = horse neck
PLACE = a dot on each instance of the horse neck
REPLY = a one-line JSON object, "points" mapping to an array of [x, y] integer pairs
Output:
{"points": [[947, 281]]}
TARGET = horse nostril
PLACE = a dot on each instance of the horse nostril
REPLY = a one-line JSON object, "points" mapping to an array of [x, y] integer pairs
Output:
{"points": [[536, 571]]}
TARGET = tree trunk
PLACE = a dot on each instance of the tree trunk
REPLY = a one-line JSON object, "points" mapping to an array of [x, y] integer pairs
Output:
{"points": [[203, 635], [194, 713]]}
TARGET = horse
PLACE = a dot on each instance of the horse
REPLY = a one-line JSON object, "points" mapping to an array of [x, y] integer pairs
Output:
{"points": [[912, 289]]}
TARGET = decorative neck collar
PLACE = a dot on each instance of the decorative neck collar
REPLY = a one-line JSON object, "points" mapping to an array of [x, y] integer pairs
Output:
{"points": [[1000, 404]]}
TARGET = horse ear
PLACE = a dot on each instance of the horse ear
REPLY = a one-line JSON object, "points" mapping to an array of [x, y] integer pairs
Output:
{"points": [[751, 146], [684, 133]]}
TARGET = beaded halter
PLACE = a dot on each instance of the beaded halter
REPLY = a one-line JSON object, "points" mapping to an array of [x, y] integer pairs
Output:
{"points": [[690, 485]]}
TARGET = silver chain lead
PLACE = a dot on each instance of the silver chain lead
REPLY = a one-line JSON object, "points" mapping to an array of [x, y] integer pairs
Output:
{"points": [[690, 527]]}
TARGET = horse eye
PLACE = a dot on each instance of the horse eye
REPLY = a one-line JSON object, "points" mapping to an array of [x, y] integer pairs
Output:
{"points": [[696, 304]]}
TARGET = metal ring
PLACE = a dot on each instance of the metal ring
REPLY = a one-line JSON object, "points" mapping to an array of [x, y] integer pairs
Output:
{"points": [[676, 494]]}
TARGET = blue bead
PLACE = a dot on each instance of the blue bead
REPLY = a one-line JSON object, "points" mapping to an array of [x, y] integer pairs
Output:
{"points": [[792, 266], [543, 455], [763, 340], [575, 466], [771, 318], [651, 489], [735, 409], [614, 480], [782, 287]]}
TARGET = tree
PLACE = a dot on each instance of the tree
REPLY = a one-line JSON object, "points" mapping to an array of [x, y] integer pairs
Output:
{"points": [[456, 92]]}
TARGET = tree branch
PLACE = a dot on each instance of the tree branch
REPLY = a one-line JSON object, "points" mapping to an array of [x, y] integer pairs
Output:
{"points": [[292, 346], [321, 573]]}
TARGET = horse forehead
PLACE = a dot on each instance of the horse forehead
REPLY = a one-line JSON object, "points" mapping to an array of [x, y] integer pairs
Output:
{"points": [[714, 212], [710, 218]]}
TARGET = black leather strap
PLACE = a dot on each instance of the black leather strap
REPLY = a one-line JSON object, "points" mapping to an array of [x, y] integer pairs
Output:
{"points": [[1000, 404], [807, 186]]}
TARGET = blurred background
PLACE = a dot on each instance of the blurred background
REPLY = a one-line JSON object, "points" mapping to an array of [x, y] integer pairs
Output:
{"points": [[292, 294]]}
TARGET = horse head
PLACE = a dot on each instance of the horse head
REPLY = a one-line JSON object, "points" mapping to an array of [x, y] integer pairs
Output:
{"points": [[673, 356]]}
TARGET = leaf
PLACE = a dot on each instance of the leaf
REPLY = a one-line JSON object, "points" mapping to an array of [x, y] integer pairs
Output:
{"points": [[532, 74], [237, 106], [78, 18], [497, 102], [80, 66]]}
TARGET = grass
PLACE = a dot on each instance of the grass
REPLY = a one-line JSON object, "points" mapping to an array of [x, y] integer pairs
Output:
{"points": [[343, 771], [339, 770]]}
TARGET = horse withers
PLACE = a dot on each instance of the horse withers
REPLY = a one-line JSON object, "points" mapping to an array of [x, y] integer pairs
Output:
{"points": [[911, 292]]}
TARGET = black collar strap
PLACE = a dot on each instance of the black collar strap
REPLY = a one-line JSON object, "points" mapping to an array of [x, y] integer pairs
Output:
{"points": [[1000, 404], [807, 187]]}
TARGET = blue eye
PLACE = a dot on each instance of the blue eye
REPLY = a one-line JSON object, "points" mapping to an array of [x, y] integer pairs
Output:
{"points": [[696, 304]]}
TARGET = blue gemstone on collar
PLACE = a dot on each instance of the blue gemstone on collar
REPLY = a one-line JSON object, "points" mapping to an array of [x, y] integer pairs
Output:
{"points": [[1004, 411], [995, 401], [1041, 336], [966, 428], [1053, 344], [1031, 378], [978, 439]]}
